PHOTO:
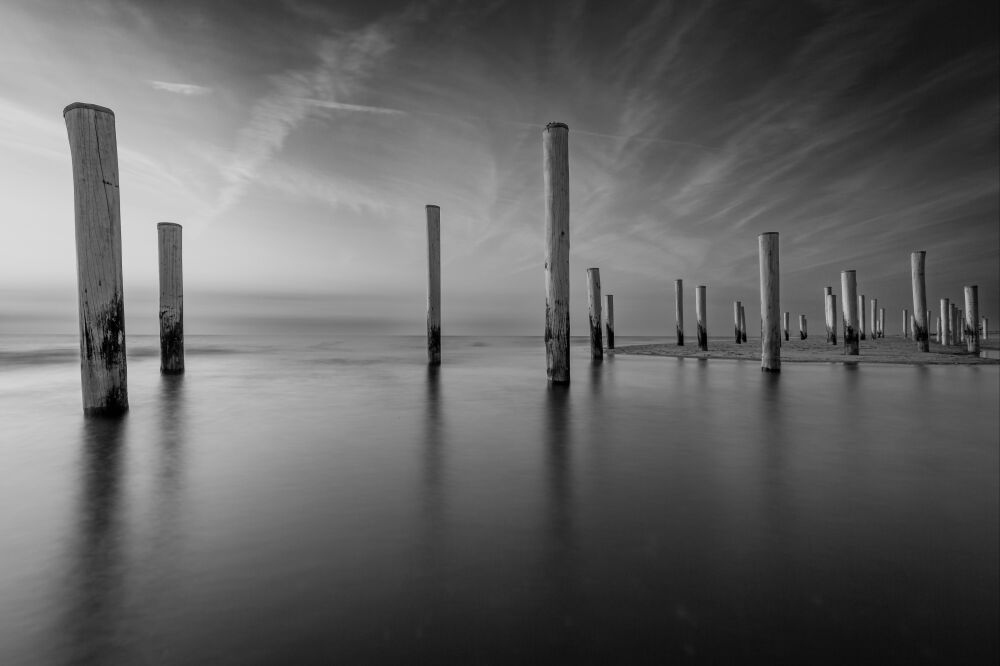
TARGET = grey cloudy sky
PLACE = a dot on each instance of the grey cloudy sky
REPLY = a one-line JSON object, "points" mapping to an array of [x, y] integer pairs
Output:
{"points": [[297, 142]]}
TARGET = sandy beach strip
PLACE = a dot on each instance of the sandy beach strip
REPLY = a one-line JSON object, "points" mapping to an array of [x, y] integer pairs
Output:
{"points": [[817, 350]]}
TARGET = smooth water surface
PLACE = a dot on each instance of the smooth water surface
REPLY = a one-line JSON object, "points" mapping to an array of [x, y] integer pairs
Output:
{"points": [[336, 501]]}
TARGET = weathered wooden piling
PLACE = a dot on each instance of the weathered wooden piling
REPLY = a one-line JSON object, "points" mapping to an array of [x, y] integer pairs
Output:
{"points": [[700, 314], [94, 151], [609, 317], [874, 318], [849, 289], [743, 322], [920, 324], [881, 322], [986, 328], [433, 284], [944, 335], [736, 321], [953, 334], [940, 338], [770, 306], [594, 310], [861, 316], [830, 301], [679, 310], [171, 298], [555, 163], [787, 324], [906, 324], [803, 334]]}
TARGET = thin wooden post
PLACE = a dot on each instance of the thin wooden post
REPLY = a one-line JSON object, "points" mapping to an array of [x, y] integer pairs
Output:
{"points": [[920, 324], [594, 303], [849, 289], [953, 325], [944, 336], [770, 305], [959, 325], [433, 284], [861, 316], [736, 321], [906, 324], [609, 316], [743, 322], [881, 322], [679, 310], [555, 163], [874, 322], [171, 298], [831, 316], [94, 151], [940, 339], [802, 327], [786, 324], [699, 315], [986, 328]]}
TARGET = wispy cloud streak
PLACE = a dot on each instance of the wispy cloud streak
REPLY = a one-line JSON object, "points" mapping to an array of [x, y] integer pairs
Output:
{"points": [[187, 89]]}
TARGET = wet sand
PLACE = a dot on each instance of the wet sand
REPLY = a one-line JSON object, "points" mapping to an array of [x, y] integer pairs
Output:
{"points": [[815, 349]]}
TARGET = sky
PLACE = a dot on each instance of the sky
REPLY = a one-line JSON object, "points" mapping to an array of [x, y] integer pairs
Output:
{"points": [[298, 142]]}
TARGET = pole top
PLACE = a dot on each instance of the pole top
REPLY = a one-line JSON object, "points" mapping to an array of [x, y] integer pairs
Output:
{"points": [[593, 268], [554, 125], [167, 224], [770, 233], [84, 105], [849, 270], [433, 206]]}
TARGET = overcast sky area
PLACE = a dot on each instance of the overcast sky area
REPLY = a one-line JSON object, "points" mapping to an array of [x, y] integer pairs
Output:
{"points": [[297, 143]]}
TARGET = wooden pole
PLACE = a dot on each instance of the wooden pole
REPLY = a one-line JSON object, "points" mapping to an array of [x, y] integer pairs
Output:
{"points": [[699, 314], [959, 326], [920, 324], [433, 284], [849, 289], [787, 324], [939, 334], [770, 305], [874, 322], [94, 151], [906, 324], [986, 328], [555, 162], [743, 323], [953, 325], [881, 322], [679, 310], [594, 302], [610, 318], [736, 319], [861, 316], [171, 298], [831, 316], [802, 327], [944, 336]]}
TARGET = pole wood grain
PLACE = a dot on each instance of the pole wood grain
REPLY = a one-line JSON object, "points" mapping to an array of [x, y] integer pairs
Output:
{"points": [[94, 152], [433, 284], [919, 284], [944, 337], [803, 333], [594, 311], [609, 316], [861, 316], [770, 306], [699, 315], [737, 306], [881, 322], [831, 335], [555, 170], [169, 248], [679, 310], [743, 322], [849, 289], [874, 321]]}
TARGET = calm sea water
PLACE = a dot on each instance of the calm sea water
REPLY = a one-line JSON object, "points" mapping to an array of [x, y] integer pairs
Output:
{"points": [[334, 501]]}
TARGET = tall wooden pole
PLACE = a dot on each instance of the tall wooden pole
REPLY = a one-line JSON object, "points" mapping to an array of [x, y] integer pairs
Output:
{"points": [[959, 327], [881, 322], [849, 289], [737, 306], [94, 151], [743, 322], [861, 316], [770, 305], [803, 334], [944, 337], [906, 324], [831, 336], [786, 324], [594, 311], [874, 322], [609, 315], [831, 318], [433, 284], [700, 316], [986, 328], [920, 323], [679, 310], [555, 163], [171, 298]]}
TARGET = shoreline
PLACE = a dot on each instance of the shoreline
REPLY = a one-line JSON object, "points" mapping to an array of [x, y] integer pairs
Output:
{"points": [[889, 350]]}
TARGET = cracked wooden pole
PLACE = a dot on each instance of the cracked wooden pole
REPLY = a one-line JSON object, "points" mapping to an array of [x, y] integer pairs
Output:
{"points": [[906, 324], [433, 284], [786, 324], [874, 318], [171, 298], [679, 310], [609, 316], [737, 306], [743, 322], [831, 318], [555, 169], [699, 315], [861, 316], [849, 289], [881, 322], [920, 324], [944, 333], [803, 334], [770, 305], [986, 328], [831, 336], [94, 151], [594, 309]]}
